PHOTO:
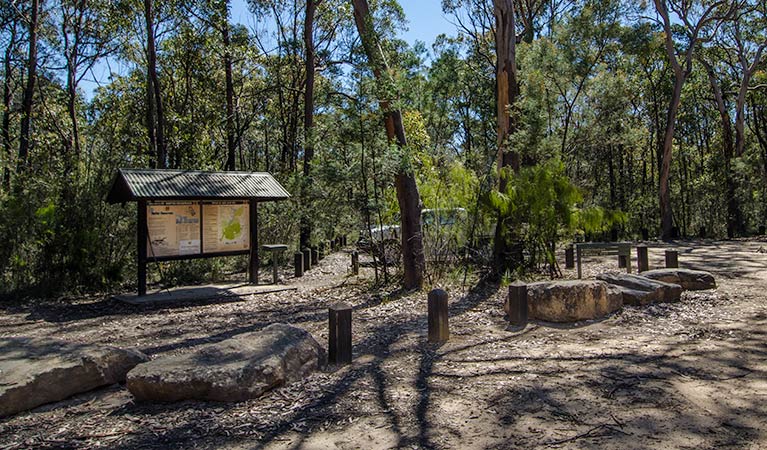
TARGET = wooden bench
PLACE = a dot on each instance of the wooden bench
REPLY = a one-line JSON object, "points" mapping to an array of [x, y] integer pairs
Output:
{"points": [[622, 249]]}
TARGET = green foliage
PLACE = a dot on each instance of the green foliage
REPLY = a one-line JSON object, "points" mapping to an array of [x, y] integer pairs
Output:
{"points": [[540, 205]]}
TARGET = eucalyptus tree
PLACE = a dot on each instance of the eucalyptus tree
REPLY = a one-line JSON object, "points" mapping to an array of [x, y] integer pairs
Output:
{"points": [[686, 24], [33, 23], [408, 198]]}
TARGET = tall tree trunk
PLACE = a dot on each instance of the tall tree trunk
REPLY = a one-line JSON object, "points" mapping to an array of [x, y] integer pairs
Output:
{"points": [[29, 90], [507, 91], [306, 229], [7, 103], [408, 197], [734, 216], [664, 194], [231, 140], [155, 91]]}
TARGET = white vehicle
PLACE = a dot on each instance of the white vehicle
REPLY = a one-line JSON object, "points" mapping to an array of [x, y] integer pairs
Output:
{"points": [[442, 229]]}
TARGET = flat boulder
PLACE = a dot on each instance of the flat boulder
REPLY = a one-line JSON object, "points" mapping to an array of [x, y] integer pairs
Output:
{"points": [[638, 290], [690, 280], [236, 369], [36, 371], [572, 301]]}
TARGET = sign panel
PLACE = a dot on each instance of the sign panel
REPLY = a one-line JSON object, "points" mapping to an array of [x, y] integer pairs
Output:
{"points": [[225, 226], [174, 229]]}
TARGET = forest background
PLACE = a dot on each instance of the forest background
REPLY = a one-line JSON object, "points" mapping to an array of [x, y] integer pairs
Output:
{"points": [[547, 120]]}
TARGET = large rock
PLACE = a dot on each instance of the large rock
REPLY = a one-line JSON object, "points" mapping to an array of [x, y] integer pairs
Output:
{"points": [[235, 369], [35, 371], [571, 301], [638, 290], [690, 280]]}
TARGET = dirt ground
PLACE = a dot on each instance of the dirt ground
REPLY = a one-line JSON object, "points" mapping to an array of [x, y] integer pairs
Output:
{"points": [[685, 375]]}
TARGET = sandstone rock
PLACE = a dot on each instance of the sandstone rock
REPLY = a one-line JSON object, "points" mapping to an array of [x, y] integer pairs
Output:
{"points": [[638, 290], [571, 301], [35, 371], [236, 369], [690, 280]]}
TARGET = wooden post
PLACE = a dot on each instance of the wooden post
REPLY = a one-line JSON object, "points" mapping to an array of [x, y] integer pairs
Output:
{"points": [[322, 249], [298, 263], [315, 256], [569, 257], [672, 259], [275, 267], [355, 263], [622, 261], [578, 260], [141, 240], [517, 304], [438, 327], [643, 263], [253, 257], [343, 240], [340, 334], [307, 259]]}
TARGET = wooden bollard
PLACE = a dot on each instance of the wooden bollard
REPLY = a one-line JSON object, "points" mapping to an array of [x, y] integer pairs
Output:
{"points": [[438, 328], [322, 250], [643, 263], [622, 261], [307, 259], [672, 259], [517, 304], [340, 334], [355, 263], [569, 257], [298, 262], [343, 240], [315, 256]]}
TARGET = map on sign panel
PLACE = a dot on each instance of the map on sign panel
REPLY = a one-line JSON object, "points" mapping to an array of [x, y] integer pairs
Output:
{"points": [[225, 226]]}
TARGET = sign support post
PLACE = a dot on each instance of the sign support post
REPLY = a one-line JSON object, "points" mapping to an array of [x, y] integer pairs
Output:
{"points": [[253, 260], [141, 232]]}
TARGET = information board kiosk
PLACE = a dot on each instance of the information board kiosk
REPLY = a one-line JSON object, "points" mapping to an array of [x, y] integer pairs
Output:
{"points": [[185, 214]]}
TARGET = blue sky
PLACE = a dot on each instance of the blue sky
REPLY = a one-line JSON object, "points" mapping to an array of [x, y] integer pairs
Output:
{"points": [[425, 19], [425, 22]]}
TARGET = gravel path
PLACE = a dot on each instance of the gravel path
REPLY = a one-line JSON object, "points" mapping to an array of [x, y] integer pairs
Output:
{"points": [[683, 375]]}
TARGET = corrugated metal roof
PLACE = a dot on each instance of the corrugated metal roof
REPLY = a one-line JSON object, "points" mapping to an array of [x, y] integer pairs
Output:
{"points": [[136, 184]]}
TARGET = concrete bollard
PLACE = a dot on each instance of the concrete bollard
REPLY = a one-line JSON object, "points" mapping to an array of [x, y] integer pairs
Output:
{"points": [[298, 263], [517, 304], [355, 263], [340, 334], [438, 328], [569, 257], [672, 259], [307, 259], [643, 263], [315, 256]]}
